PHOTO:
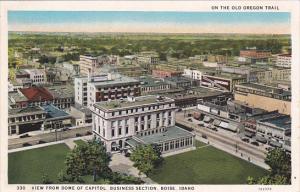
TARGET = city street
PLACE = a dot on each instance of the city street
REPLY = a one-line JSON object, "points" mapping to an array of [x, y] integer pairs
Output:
{"points": [[226, 141], [48, 137]]}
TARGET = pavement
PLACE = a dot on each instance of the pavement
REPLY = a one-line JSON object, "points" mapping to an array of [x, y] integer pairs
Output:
{"points": [[227, 141], [121, 164], [47, 137]]}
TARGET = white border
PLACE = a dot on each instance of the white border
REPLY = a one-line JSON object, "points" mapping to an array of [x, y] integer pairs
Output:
{"points": [[285, 6]]}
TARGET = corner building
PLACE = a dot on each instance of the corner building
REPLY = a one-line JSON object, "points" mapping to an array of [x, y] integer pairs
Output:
{"points": [[126, 123]]}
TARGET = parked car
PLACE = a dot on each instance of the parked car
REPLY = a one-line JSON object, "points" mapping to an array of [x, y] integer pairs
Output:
{"points": [[269, 148], [88, 133], [255, 143], [204, 136], [190, 120], [25, 135], [189, 115], [26, 144], [78, 135], [245, 139], [65, 129], [41, 142]]}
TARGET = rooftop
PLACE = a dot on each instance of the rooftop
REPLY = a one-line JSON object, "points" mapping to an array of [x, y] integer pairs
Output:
{"points": [[36, 94], [148, 81], [178, 79], [35, 71], [16, 96], [283, 121], [265, 88], [30, 110], [227, 75], [61, 91], [117, 81], [126, 103], [171, 133], [54, 112]]}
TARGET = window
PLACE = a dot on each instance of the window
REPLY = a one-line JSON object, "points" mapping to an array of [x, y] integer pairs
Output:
{"points": [[181, 142], [113, 114], [136, 128], [149, 117], [177, 144], [103, 131], [149, 125], [157, 124], [136, 119], [112, 133], [126, 130], [171, 145], [157, 115], [142, 126], [167, 146], [142, 118], [120, 131]]}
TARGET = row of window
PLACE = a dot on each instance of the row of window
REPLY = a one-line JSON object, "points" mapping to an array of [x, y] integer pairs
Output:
{"points": [[176, 144], [139, 109]]}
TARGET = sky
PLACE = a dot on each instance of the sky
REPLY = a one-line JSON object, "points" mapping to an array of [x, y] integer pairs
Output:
{"points": [[150, 22]]}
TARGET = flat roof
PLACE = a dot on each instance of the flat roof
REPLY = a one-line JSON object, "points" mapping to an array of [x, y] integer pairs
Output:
{"points": [[178, 79], [32, 110], [118, 81], [61, 91], [170, 133], [265, 88], [54, 112], [18, 97], [283, 121], [141, 100], [148, 81]]}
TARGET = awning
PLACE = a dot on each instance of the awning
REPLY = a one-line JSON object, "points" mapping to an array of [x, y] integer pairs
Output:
{"points": [[275, 144], [206, 119], [249, 134], [217, 122], [233, 126], [224, 125], [261, 139]]}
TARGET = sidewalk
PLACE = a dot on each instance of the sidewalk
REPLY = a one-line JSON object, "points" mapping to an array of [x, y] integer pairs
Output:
{"points": [[68, 142]]}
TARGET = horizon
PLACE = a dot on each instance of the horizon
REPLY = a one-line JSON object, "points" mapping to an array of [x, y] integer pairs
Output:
{"points": [[149, 22]]}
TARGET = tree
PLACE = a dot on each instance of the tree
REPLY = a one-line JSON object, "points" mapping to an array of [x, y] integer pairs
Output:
{"points": [[279, 162], [145, 158], [280, 169], [87, 159]]}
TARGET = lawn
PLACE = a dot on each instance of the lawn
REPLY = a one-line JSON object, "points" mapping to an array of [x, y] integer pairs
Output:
{"points": [[79, 142], [199, 143], [206, 165], [27, 167]]}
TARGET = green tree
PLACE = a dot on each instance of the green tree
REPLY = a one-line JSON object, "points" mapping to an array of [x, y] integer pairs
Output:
{"points": [[280, 169], [145, 158], [86, 159], [279, 162]]}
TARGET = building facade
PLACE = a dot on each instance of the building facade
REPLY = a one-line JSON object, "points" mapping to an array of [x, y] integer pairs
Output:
{"points": [[265, 97], [134, 120], [284, 60]]}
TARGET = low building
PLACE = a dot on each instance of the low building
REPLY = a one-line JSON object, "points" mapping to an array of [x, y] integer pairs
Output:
{"points": [[253, 55], [37, 76], [25, 120], [222, 81], [284, 60], [179, 82], [80, 115], [151, 85], [192, 73], [160, 73], [56, 118], [123, 124], [17, 100], [63, 95], [275, 129], [265, 97]]}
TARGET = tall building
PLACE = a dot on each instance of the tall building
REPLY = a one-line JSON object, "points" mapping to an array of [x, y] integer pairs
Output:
{"points": [[253, 55], [126, 123], [284, 60], [87, 63], [265, 97], [89, 90]]}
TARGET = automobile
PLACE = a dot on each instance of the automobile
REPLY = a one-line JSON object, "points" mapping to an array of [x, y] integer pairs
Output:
{"points": [[41, 142], [65, 129], [26, 144], [245, 139], [204, 136], [214, 129], [190, 120], [189, 115], [25, 135], [88, 133], [78, 135], [255, 143]]}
